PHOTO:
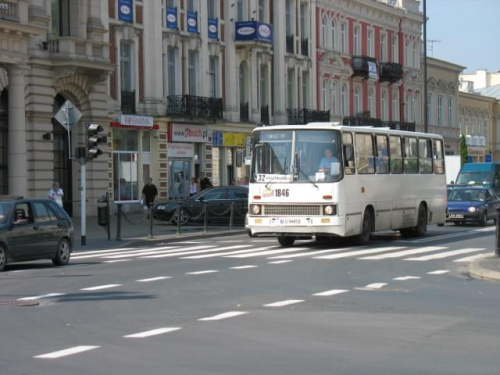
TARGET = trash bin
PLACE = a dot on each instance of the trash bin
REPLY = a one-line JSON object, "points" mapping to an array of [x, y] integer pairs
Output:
{"points": [[102, 216]]}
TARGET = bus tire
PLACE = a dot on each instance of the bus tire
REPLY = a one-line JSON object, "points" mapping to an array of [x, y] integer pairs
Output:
{"points": [[366, 229], [421, 227], [286, 241]]}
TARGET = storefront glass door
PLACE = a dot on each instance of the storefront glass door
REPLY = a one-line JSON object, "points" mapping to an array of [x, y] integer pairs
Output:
{"points": [[179, 178]]}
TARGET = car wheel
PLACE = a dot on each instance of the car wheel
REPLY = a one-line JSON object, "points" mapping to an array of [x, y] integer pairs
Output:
{"points": [[366, 229], [63, 253], [183, 215], [286, 241], [484, 219], [3, 258]]}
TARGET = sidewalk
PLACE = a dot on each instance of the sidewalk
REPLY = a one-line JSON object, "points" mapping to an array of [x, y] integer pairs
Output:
{"points": [[135, 231], [487, 267]]}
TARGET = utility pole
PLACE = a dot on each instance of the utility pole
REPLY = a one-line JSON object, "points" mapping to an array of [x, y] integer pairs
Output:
{"points": [[426, 125]]}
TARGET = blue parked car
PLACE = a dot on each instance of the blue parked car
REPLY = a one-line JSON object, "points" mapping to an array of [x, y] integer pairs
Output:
{"points": [[471, 204]]}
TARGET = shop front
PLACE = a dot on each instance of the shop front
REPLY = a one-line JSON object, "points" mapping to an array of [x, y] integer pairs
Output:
{"points": [[133, 138], [230, 149]]}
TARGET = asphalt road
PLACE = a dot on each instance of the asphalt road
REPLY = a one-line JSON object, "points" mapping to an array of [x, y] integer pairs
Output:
{"points": [[237, 305]]}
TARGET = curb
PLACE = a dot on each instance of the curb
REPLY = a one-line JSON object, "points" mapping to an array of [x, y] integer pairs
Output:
{"points": [[480, 272]]}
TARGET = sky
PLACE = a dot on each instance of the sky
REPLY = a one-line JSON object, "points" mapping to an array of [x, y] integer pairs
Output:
{"points": [[467, 31]]}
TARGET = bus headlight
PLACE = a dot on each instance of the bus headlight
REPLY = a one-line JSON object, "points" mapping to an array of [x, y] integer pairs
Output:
{"points": [[255, 209], [329, 210]]}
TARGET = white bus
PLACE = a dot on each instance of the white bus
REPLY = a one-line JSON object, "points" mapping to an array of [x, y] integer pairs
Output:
{"points": [[377, 179]]}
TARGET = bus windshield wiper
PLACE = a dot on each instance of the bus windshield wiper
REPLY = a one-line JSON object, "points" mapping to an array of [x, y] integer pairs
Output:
{"points": [[297, 164]]}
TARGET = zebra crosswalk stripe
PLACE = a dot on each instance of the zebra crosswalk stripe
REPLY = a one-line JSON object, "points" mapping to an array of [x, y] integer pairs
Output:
{"points": [[445, 254], [404, 253]]}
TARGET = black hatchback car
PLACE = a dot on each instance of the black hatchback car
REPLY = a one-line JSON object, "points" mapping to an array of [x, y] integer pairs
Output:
{"points": [[32, 229], [219, 201]]}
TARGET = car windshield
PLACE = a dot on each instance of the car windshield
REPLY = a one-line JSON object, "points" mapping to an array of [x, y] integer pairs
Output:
{"points": [[466, 195], [4, 212]]}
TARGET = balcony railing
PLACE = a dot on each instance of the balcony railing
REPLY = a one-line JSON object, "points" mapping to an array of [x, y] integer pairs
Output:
{"points": [[9, 10], [244, 112], [304, 47], [194, 106], [391, 72], [365, 67], [264, 114], [378, 123], [69, 48], [128, 102], [302, 116], [289, 43]]}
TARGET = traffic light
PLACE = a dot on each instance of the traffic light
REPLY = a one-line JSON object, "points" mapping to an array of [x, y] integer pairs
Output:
{"points": [[94, 139]]}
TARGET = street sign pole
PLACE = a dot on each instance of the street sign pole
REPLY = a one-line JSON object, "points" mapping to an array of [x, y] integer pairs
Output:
{"points": [[83, 199]]}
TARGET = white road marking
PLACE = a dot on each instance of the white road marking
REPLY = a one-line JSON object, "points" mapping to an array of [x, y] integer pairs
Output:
{"points": [[469, 259], [211, 255], [458, 234], [438, 272], [154, 279], [280, 261], [101, 253], [404, 253], [404, 278], [226, 315], [269, 252], [373, 286], [66, 352], [243, 267], [100, 287], [116, 261], [41, 296], [201, 272], [330, 292], [184, 252], [305, 254], [444, 255], [284, 303], [359, 252], [153, 332]]}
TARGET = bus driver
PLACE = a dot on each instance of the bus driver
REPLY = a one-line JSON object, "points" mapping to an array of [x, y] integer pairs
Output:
{"points": [[327, 160]]}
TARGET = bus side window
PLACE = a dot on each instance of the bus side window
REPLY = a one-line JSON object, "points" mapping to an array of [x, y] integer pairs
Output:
{"points": [[348, 150]]}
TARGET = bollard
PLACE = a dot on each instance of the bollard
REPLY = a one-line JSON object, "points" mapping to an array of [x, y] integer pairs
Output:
{"points": [[178, 219], [497, 247], [232, 216], [118, 222], [205, 218], [150, 210]]}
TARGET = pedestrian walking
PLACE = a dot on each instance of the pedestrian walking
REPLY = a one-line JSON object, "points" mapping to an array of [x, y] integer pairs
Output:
{"points": [[204, 181], [194, 188], [56, 193], [149, 193]]}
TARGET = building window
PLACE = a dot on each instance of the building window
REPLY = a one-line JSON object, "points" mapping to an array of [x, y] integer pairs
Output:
{"points": [[333, 98], [214, 77], [429, 109], [291, 88], [173, 75], [440, 110], [395, 107], [344, 100], [371, 50], [127, 66], [395, 49], [305, 89], [262, 11], [193, 72], [323, 32], [240, 10], [212, 9], [416, 56], [385, 115], [357, 100], [243, 83], [60, 11], [334, 34], [357, 40], [303, 21], [383, 47], [371, 102], [343, 37], [125, 165], [324, 95], [450, 112], [264, 79], [407, 54], [289, 17]]}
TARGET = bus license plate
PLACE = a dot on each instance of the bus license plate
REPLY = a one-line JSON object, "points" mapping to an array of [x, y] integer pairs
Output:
{"points": [[290, 221], [456, 216]]}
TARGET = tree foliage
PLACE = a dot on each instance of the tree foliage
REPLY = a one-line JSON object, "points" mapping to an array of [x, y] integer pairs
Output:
{"points": [[464, 155]]}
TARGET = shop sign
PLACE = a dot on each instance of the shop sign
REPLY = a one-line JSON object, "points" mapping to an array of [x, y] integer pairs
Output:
{"points": [[133, 120], [180, 150], [189, 133], [234, 139]]}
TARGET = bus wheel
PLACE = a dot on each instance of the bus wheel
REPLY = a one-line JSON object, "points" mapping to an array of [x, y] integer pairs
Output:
{"points": [[364, 237], [286, 241], [421, 227]]}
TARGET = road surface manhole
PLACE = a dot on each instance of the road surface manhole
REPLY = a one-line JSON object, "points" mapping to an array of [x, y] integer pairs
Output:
{"points": [[19, 303]]}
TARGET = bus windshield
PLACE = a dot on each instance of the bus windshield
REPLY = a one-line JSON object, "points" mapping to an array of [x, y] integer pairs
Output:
{"points": [[296, 156], [475, 178]]}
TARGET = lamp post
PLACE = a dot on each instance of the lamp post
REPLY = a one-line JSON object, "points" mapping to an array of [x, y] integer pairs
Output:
{"points": [[426, 125]]}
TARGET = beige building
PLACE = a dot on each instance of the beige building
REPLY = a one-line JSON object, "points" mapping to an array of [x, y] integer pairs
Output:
{"points": [[443, 102], [478, 80]]}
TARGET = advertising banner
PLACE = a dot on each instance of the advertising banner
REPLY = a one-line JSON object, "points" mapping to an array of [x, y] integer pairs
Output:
{"points": [[192, 22], [172, 18], [213, 28], [254, 30], [126, 10]]}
